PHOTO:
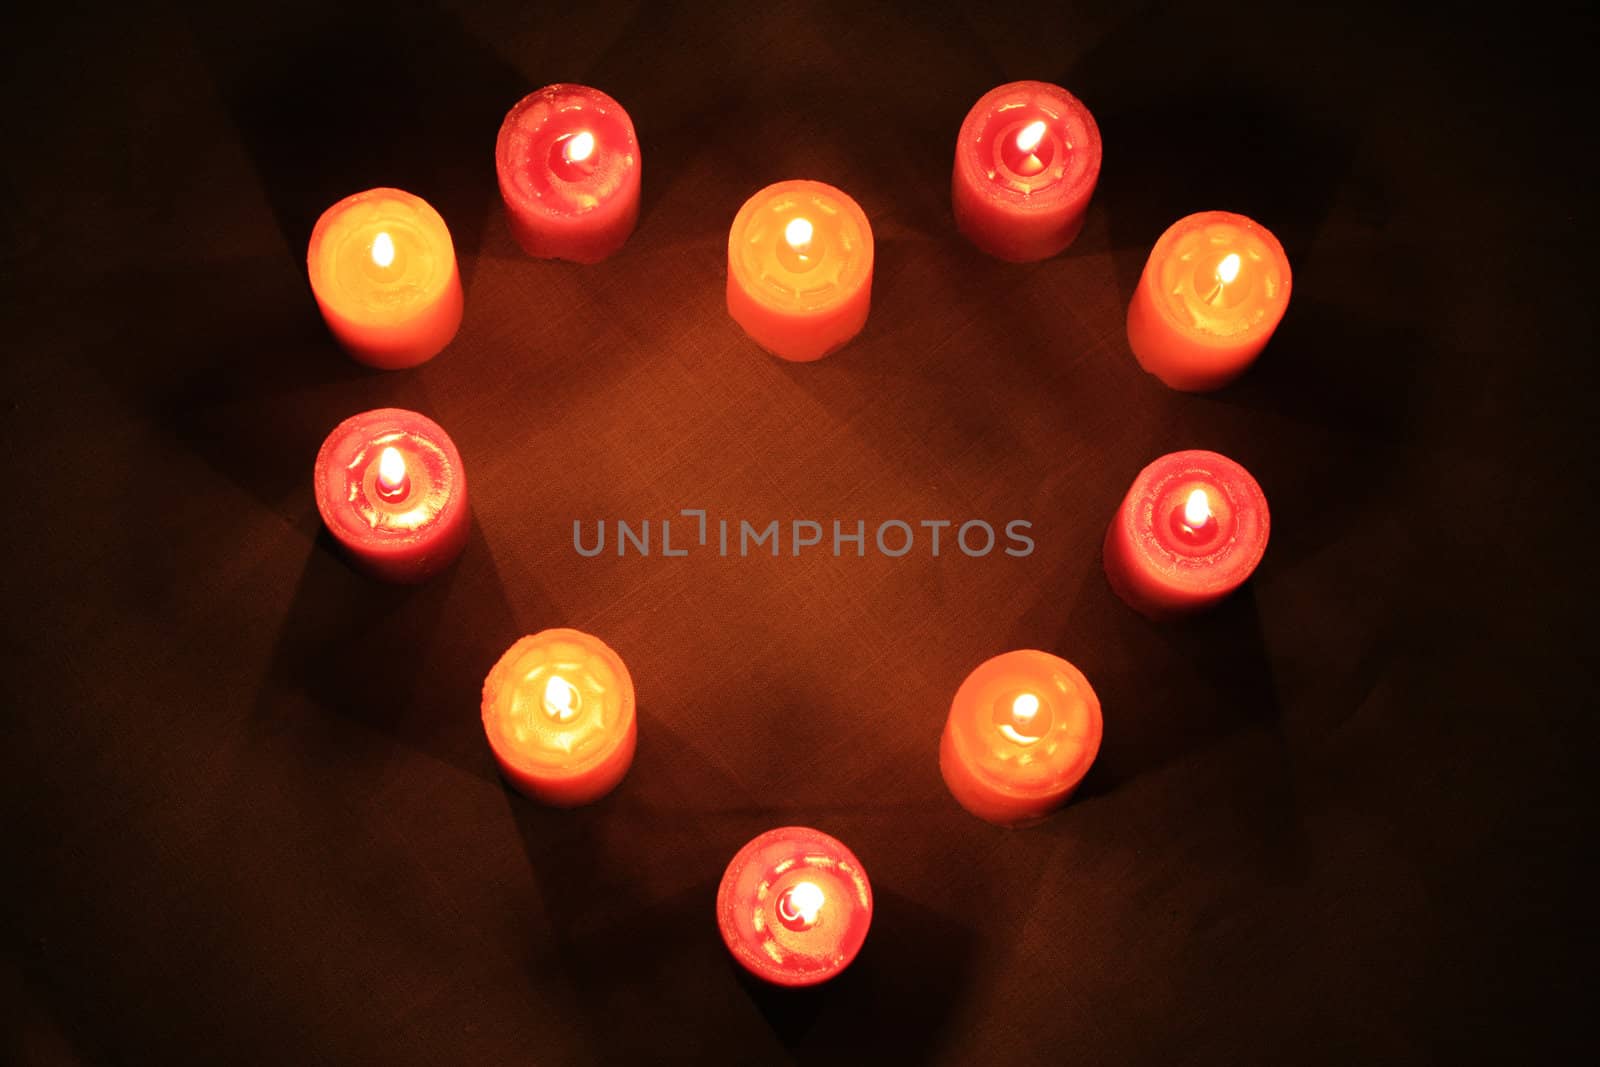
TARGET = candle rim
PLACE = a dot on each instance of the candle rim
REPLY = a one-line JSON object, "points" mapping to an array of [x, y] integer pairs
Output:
{"points": [[969, 713], [819, 301], [1169, 307], [1238, 552], [1081, 168], [404, 217], [521, 146], [499, 686], [729, 908], [362, 431]]}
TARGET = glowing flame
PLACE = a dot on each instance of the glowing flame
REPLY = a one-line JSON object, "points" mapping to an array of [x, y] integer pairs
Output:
{"points": [[1029, 136], [1197, 509], [1228, 269], [391, 470], [799, 233], [1024, 708], [383, 249], [801, 903], [558, 698], [579, 147]]}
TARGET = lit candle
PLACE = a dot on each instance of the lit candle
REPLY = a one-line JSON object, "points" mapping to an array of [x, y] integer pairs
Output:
{"points": [[800, 269], [383, 271], [569, 170], [1027, 160], [559, 713], [1190, 531], [794, 906], [391, 489], [1023, 729], [1215, 287]]}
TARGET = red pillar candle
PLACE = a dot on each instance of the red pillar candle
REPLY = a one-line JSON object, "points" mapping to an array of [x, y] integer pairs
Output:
{"points": [[794, 906], [1027, 160], [1190, 531], [392, 490], [800, 269], [1023, 729], [1215, 287], [569, 168], [383, 271], [559, 713]]}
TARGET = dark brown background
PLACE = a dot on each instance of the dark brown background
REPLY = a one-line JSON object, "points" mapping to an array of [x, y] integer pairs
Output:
{"points": [[250, 813]]}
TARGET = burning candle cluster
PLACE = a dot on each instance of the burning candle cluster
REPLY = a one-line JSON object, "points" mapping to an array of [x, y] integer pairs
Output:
{"points": [[558, 708]]}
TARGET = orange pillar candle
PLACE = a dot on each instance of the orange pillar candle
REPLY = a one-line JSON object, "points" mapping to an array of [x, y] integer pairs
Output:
{"points": [[569, 166], [391, 489], [794, 906], [383, 270], [559, 713], [1023, 729], [800, 269], [1027, 160], [1215, 287], [1190, 531]]}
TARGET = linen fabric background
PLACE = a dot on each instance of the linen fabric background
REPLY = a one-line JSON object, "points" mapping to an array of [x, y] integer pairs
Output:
{"points": [[250, 812]]}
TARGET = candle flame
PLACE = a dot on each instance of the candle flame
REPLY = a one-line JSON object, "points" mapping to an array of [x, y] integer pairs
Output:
{"points": [[799, 233], [1024, 708], [1029, 136], [558, 698], [391, 470], [801, 903], [1197, 509], [383, 249], [1228, 269], [579, 147]]}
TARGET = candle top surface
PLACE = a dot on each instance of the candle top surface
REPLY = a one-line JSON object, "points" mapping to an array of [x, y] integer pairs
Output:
{"points": [[566, 149], [801, 246], [1033, 143], [388, 476], [1198, 519], [794, 906], [1027, 722], [557, 702], [1218, 276], [379, 257]]}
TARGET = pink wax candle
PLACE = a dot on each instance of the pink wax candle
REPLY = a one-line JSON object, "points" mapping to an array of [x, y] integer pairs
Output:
{"points": [[569, 166], [1023, 730], [794, 906], [1190, 531], [1027, 160], [392, 491]]}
